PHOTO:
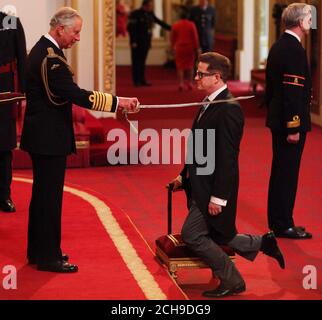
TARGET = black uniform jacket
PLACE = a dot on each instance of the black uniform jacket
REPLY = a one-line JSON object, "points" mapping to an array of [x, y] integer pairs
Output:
{"points": [[288, 87], [228, 121], [48, 126], [140, 26], [12, 64]]}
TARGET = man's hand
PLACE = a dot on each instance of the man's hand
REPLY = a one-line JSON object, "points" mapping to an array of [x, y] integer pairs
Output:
{"points": [[129, 104], [176, 183], [214, 209], [293, 138]]}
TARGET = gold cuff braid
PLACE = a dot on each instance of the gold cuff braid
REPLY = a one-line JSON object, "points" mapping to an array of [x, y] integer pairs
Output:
{"points": [[295, 123], [101, 101]]}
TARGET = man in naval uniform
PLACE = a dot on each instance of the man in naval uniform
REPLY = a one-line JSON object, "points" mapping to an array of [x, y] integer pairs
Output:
{"points": [[288, 97], [48, 134], [12, 66]]}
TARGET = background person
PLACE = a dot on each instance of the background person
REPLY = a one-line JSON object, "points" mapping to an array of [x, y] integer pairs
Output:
{"points": [[204, 16], [140, 27], [12, 73], [185, 43]]}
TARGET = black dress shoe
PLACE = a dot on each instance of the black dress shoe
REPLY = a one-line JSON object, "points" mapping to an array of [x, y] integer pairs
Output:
{"points": [[269, 247], [64, 257], [7, 206], [294, 233], [146, 84], [58, 266], [223, 291]]}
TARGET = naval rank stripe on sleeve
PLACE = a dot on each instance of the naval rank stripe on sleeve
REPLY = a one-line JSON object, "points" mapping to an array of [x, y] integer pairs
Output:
{"points": [[101, 101], [293, 80]]}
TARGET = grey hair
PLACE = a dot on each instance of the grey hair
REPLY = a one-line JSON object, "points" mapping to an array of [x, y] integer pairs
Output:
{"points": [[65, 17], [293, 14]]}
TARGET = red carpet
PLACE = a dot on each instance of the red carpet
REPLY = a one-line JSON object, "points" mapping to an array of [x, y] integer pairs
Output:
{"points": [[102, 274]]}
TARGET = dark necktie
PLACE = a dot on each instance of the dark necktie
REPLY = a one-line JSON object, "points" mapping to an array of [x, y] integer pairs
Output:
{"points": [[203, 109]]}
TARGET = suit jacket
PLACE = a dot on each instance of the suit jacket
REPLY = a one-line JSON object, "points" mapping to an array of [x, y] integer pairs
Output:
{"points": [[51, 91], [13, 53], [288, 87], [228, 121]]}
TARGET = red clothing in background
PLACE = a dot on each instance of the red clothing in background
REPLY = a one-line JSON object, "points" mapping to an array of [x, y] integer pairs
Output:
{"points": [[121, 20], [185, 42]]}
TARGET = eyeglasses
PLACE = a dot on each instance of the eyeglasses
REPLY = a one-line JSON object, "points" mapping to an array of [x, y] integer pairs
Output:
{"points": [[200, 74]]}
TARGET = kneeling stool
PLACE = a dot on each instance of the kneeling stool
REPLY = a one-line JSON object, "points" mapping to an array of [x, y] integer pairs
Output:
{"points": [[172, 252]]}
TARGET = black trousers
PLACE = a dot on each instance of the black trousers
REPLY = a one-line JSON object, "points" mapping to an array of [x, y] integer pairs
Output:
{"points": [[139, 56], [283, 181], [44, 228], [5, 174]]}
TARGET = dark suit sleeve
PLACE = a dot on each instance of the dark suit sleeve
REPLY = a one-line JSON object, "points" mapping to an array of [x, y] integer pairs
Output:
{"points": [[294, 90], [228, 135], [61, 84], [161, 23]]}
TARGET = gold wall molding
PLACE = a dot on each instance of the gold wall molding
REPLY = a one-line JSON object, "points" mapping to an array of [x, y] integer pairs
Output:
{"points": [[96, 34], [74, 50], [109, 45]]}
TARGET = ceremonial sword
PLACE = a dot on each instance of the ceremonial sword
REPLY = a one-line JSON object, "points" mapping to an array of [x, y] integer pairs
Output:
{"points": [[190, 104], [179, 105]]}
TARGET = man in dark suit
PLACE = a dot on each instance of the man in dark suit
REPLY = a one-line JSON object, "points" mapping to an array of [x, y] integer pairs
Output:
{"points": [[12, 64], [212, 195], [48, 134], [140, 27], [204, 17], [288, 96]]}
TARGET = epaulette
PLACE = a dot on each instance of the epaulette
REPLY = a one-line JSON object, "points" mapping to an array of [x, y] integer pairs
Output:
{"points": [[44, 74]]}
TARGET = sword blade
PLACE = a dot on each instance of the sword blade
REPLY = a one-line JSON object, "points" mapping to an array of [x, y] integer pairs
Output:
{"points": [[192, 104]]}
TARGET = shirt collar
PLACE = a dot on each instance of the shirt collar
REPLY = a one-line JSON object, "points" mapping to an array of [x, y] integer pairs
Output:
{"points": [[214, 95], [293, 34], [50, 38]]}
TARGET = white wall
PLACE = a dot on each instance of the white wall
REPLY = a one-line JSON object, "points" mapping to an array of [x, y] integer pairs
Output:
{"points": [[245, 56], [34, 15], [85, 52]]}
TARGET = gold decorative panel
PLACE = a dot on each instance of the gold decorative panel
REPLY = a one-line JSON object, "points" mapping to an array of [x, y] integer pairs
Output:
{"points": [[227, 17], [108, 45]]}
